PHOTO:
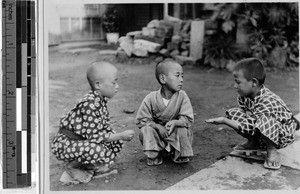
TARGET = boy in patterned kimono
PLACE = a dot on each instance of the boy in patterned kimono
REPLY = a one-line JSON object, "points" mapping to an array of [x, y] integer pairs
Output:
{"points": [[165, 117], [262, 117], [85, 140]]}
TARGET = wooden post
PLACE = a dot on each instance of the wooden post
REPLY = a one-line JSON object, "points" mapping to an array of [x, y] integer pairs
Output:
{"points": [[176, 10], [197, 39], [194, 10], [166, 10]]}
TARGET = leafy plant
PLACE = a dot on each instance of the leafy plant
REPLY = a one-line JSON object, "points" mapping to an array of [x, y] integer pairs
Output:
{"points": [[219, 50], [111, 20], [273, 29]]}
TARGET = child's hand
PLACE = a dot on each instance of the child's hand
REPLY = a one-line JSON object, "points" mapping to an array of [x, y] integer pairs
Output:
{"points": [[127, 135], [163, 131], [170, 126], [216, 121]]}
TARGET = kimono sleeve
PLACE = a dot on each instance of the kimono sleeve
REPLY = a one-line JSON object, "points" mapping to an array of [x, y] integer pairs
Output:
{"points": [[93, 125], [144, 114], [186, 114]]}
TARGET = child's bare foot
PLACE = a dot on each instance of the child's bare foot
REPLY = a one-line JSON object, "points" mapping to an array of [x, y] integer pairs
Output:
{"points": [[272, 160], [75, 176]]}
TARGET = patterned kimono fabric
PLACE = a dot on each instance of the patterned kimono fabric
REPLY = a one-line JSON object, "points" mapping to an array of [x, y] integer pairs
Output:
{"points": [[88, 120], [153, 109], [266, 114]]}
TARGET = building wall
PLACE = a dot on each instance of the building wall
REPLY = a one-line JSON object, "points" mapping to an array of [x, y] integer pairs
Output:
{"points": [[79, 20], [74, 21]]}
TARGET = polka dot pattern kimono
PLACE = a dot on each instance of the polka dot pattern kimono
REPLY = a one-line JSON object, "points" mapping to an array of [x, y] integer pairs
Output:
{"points": [[89, 119]]}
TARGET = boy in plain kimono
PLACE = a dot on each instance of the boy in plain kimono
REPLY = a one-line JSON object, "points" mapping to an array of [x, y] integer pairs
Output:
{"points": [[165, 117]]}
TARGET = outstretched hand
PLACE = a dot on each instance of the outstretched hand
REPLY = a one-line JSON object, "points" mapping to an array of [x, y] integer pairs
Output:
{"points": [[127, 135], [216, 121]]}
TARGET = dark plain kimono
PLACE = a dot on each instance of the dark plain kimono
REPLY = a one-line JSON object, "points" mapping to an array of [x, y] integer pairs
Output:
{"points": [[154, 109]]}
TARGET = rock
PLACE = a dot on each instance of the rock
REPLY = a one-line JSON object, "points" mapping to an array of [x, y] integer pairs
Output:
{"points": [[153, 24], [148, 31], [164, 52], [174, 53], [140, 52], [176, 39], [168, 27], [134, 33], [127, 47], [160, 32], [125, 38], [172, 46], [147, 45], [184, 53], [182, 60], [183, 46], [128, 111], [151, 39]]}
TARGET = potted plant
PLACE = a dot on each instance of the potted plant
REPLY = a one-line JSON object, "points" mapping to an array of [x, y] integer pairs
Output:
{"points": [[111, 23]]}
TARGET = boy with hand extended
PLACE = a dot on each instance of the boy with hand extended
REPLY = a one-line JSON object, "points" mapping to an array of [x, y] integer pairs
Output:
{"points": [[262, 117], [85, 140], [165, 117]]}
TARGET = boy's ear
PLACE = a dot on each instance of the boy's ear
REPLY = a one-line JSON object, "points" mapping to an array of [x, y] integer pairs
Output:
{"points": [[162, 78], [255, 82], [97, 85]]}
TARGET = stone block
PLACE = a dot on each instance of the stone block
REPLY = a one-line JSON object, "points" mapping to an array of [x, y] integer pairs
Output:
{"points": [[185, 61], [125, 38], [153, 24], [139, 52], [160, 32], [174, 53], [176, 39], [172, 46], [184, 46], [134, 33], [148, 31], [168, 27], [127, 47], [184, 53], [151, 39], [164, 52], [151, 47]]}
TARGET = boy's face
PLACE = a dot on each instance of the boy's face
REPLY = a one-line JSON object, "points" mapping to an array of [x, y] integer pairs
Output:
{"points": [[109, 86], [174, 78], [242, 85]]}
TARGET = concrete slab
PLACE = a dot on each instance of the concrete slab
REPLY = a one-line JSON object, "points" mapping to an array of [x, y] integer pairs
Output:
{"points": [[237, 173], [291, 154]]}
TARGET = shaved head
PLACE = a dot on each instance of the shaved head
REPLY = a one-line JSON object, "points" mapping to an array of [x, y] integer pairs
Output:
{"points": [[164, 67], [99, 71]]}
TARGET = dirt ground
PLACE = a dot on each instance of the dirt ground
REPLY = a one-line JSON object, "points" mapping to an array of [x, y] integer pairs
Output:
{"points": [[211, 93]]}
